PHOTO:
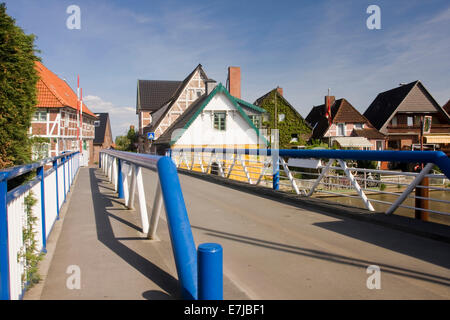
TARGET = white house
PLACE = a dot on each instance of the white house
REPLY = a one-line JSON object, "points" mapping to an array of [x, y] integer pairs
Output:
{"points": [[215, 119]]}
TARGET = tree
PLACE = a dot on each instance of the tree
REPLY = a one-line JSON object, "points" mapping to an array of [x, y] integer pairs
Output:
{"points": [[18, 79], [127, 142]]}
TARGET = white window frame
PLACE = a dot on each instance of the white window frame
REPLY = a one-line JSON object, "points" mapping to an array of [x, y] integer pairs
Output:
{"points": [[338, 129], [256, 120], [410, 121], [40, 115], [219, 122], [381, 142]]}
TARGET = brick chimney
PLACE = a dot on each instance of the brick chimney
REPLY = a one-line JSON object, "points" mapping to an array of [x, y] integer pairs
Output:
{"points": [[280, 91], [234, 81]]}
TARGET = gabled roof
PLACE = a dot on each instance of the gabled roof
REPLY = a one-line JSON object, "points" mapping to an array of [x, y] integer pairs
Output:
{"points": [[446, 107], [386, 103], [341, 111], [53, 92], [167, 105], [195, 109], [261, 99], [101, 129], [153, 93]]}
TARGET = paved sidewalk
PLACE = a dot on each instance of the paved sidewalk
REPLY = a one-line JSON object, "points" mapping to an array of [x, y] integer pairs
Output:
{"points": [[104, 240]]}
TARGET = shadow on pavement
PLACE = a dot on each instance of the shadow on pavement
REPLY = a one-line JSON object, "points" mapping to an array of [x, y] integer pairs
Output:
{"points": [[106, 235], [415, 246], [334, 258]]}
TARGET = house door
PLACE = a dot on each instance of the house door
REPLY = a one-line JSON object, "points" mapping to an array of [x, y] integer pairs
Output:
{"points": [[85, 153]]}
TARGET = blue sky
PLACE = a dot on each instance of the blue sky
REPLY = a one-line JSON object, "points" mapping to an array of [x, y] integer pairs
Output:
{"points": [[305, 47]]}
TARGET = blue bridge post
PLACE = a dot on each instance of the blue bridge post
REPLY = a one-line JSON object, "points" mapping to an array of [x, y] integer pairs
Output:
{"points": [[55, 166], [210, 271], [63, 160], [120, 179], [4, 251], [40, 174], [276, 170]]}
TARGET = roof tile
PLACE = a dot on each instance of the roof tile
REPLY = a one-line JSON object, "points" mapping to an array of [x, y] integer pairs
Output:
{"points": [[53, 92]]}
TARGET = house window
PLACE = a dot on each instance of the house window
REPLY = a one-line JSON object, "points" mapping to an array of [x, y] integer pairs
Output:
{"points": [[359, 125], [256, 120], [341, 129], [294, 138], [417, 120], [281, 117], [199, 93], [379, 145], [39, 151], [220, 120], [394, 121], [40, 115], [265, 117], [97, 123], [409, 121]]}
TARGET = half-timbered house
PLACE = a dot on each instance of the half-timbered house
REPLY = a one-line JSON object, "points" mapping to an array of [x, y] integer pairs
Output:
{"points": [[160, 102], [55, 120]]}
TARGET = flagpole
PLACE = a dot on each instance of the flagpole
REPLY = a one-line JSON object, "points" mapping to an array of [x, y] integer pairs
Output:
{"points": [[81, 120], [78, 111]]}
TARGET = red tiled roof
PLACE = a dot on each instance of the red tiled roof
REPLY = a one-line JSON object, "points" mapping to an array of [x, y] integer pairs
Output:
{"points": [[53, 92]]}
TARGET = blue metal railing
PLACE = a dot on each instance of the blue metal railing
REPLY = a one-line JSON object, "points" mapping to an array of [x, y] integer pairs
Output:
{"points": [[11, 286], [194, 282], [437, 157], [224, 161]]}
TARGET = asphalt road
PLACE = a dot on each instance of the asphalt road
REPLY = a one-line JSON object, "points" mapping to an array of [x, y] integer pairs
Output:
{"points": [[278, 251], [271, 250]]}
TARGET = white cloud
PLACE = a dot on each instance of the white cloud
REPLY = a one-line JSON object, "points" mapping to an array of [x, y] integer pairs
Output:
{"points": [[121, 117]]}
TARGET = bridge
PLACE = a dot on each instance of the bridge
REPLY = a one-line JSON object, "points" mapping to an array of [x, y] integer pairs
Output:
{"points": [[107, 236]]}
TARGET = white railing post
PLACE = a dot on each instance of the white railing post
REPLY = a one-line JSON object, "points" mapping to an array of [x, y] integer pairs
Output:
{"points": [[322, 174], [130, 203], [209, 162], [142, 202], [115, 173], [125, 172], [247, 174], [410, 188], [156, 212], [231, 167], [356, 185], [289, 175], [263, 171], [200, 158]]}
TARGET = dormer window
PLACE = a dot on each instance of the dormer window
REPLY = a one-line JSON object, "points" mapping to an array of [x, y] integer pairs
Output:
{"points": [[359, 126]]}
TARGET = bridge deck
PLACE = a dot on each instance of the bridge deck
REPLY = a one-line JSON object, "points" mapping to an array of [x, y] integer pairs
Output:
{"points": [[271, 250]]}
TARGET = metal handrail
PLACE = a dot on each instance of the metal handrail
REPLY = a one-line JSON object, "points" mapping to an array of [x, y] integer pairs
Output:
{"points": [[50, 203], [281, 173], [190, 273]]}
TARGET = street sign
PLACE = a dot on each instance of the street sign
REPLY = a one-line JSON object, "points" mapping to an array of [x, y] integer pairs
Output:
{"points": [[150, 135]]}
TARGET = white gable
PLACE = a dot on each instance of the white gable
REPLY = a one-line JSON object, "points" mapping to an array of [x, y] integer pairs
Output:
{"points": [[202, 131]]}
